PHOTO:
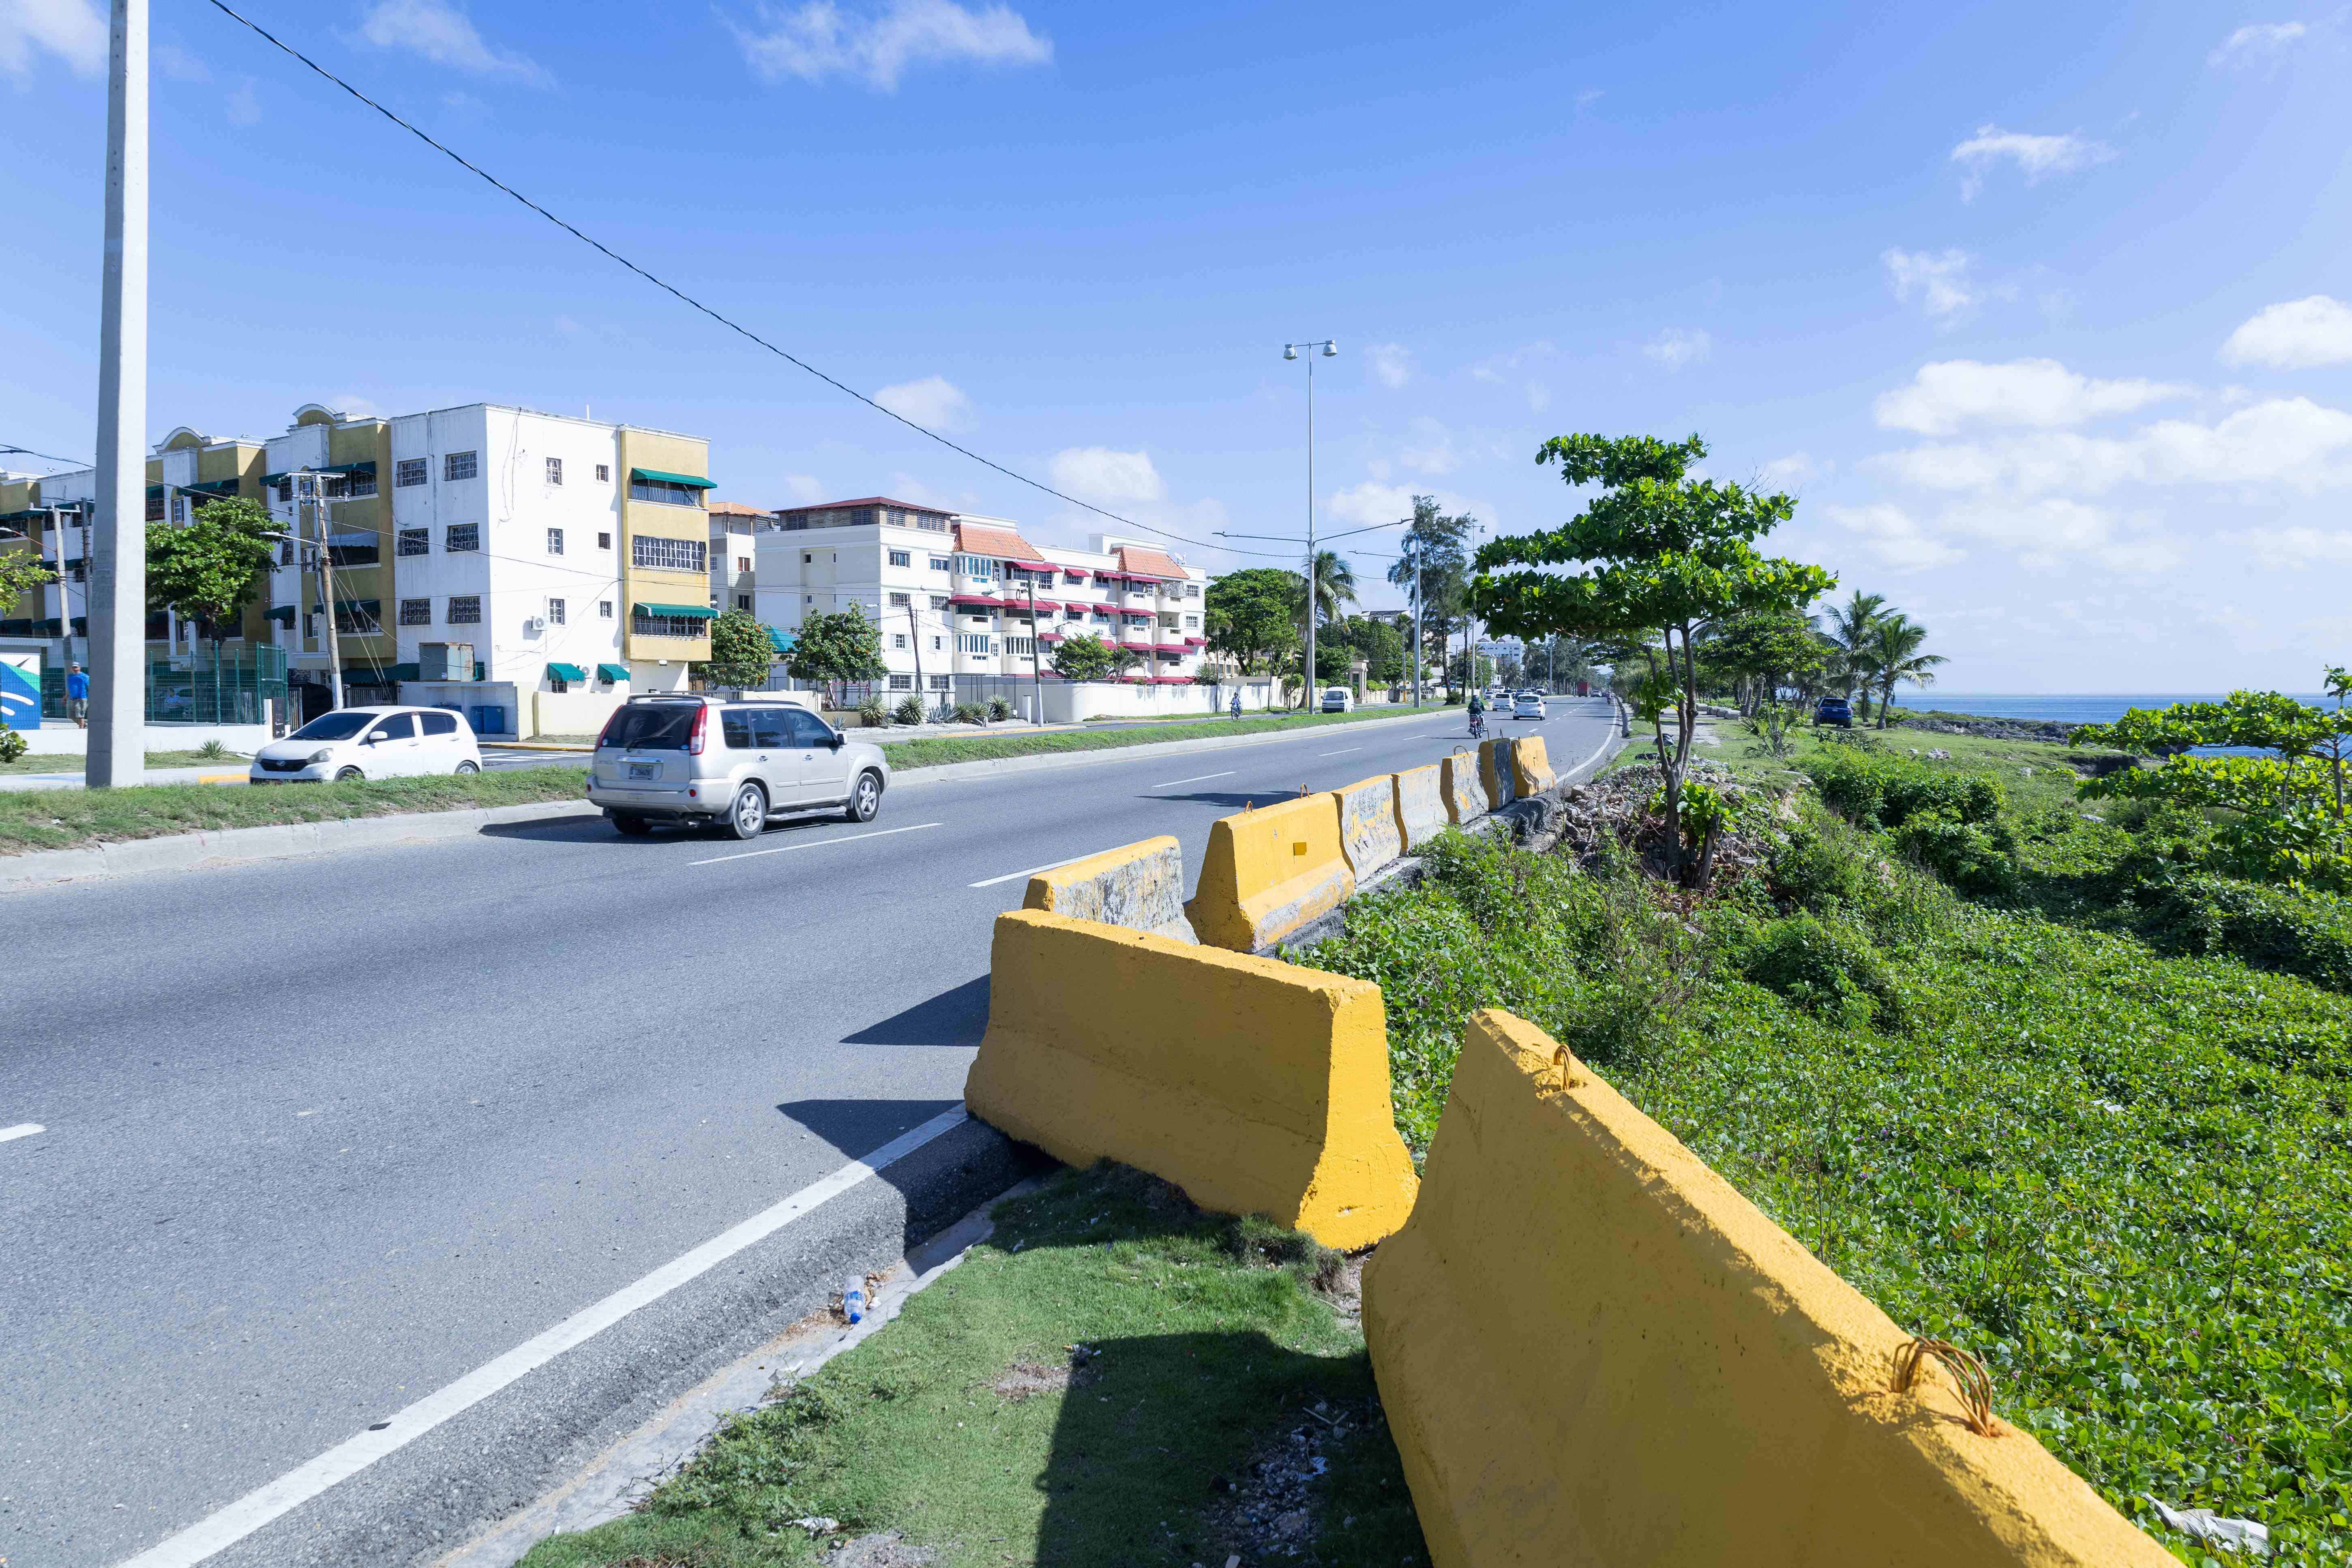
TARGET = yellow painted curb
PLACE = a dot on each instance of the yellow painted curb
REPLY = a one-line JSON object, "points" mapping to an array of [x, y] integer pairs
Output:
{"points": [[1267, 873], [1465, 798], [1530, 766], [1139, 886], [1421, 808], [1369, 834], [1257, 1086], [1592, 1350]]}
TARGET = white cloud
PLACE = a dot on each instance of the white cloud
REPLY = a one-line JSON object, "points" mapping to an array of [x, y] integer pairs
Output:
{"points": [[818, 40], [934, 401], [2045, 532], [1392, 363], [1796, 468], [2296, 335], [2283, 443], [1941, 280], [178, 63], [242, 106], [1371, 503], [805, 489], [1678, 346], [1498, 368], [2256, 41], [353, 407], [1101, 475], [445, 35], [73, 30], [2297, 547], [2038, 394], [1890, 533], [2036, 157], [1538, 398], [1434, 453]]}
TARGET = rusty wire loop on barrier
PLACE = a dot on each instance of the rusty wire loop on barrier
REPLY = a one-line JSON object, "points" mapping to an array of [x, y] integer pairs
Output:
{"points": [[1975, 1383]]}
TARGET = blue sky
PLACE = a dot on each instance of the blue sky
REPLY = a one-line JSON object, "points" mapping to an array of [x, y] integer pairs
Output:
{"points": [[2039, 310]]}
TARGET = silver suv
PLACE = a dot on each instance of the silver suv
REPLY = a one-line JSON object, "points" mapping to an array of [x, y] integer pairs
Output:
{"points": [[702, 760]]}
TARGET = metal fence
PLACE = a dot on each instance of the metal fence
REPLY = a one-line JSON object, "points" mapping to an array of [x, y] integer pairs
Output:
{"points": [[227, 685]]}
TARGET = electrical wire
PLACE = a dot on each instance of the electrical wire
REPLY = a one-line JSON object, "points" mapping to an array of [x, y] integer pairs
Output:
{"points": [[44, 457], [696, 304]]}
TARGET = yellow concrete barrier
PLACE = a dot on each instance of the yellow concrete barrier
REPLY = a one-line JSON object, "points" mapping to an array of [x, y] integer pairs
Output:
{"points": [[1254, 1085], [1530, 766], [1370, 835], [1465, 797], [1421, 809], [1494, 773], [1267, 873], [1139, 886], [1592, 1350]]}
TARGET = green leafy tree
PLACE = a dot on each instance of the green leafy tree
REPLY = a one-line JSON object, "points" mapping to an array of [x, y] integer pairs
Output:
{"points": [[740, 651], [1084, 657], [1890, 657], [1251, 618], [836, 649], [1758, 653], [1439, 546], [210, 568], [21, 572], [1662, 555], [1379, 643], [1335, 584]]}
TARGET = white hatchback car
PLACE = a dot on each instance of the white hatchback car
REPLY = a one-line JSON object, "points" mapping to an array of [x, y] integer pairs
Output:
{"points": [[1528, 705], [371, 743]]}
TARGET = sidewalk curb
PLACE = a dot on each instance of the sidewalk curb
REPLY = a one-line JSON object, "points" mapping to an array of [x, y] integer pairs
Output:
{"points": [[278, 841]]}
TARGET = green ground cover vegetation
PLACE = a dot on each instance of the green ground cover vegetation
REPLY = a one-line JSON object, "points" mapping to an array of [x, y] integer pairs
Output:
{"points": [[53, 763], [1113, 1376], [2018, 1065], [932, 751]]}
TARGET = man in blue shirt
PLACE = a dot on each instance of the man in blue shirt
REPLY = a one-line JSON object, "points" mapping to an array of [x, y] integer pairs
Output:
{"points": [[77, 695]]}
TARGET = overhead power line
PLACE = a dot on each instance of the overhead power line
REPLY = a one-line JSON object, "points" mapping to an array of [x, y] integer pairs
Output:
{"points": [[44, 457], [688, 299]]}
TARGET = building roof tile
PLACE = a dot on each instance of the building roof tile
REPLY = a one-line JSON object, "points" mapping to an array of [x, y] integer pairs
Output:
{"points": [[979, 539], [1150, 562]]}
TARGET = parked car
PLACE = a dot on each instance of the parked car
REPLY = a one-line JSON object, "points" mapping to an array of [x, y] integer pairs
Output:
{"points": [[1338, 700], [1528, 705], [371, 743], [705, 761], [1833, 710]]}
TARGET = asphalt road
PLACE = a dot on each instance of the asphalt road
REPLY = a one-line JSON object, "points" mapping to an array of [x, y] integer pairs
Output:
{"points": [[321, 1136]]}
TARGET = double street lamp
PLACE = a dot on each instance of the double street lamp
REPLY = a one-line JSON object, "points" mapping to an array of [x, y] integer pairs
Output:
{"points": [[1291, 350]]}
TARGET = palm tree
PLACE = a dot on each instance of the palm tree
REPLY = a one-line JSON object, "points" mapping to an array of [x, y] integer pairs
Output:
{"points": [[1335, 584], [1848, 635], [1891, 657]]}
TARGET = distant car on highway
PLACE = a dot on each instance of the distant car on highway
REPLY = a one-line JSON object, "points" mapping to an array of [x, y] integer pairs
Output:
{"points": [[1528, 705], [704, 761], [1833, 710], [371, 743], [1338, 700]]}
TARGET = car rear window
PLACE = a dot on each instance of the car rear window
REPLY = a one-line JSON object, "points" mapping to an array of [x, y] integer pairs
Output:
{"points": [[440, 724], [654, 727]]}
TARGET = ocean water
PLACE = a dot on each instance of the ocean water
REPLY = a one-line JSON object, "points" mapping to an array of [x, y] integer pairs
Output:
{"points": [[2094, 708]]}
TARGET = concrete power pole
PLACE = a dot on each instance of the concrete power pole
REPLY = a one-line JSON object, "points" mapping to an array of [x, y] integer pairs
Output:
{"points": [[117, 585]]}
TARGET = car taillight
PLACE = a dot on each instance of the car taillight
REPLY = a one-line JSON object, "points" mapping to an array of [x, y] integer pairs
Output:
{"points": [[701, 729]]}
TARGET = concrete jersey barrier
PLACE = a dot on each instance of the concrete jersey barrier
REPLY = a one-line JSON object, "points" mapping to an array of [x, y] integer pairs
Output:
{"points": [[1267, 873], [1370, 835], [1465, 797], [1257, 1086], [1592, 1350], [1419, 806], [1496, 774], [1531, 772], [1139, 886]]}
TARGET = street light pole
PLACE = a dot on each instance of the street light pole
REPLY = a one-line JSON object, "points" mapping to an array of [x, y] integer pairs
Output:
{"points": [[1291, 350], [117, 593]]}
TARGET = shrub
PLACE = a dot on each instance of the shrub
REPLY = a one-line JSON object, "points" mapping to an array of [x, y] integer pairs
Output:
{"points": [[1876, 790], [999, 708], [1975, 857], [871, 713], [12, 745], [908, 712], [968, 713], [2271, 928], [1824, 967], [1822, 872], [213, 750]]}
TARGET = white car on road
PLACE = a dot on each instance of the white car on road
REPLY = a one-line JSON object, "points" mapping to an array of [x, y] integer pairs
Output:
{"points": [[702, 760], [1528, 705], [371, 743]]}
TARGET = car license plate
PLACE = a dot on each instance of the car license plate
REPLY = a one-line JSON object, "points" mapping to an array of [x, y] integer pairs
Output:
{"points": [[645, 770]]}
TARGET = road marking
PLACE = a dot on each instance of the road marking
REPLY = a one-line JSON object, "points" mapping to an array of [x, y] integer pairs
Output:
{"points": [[1340, 752], [299, 1486], [815, 843], [22, 1130], [1033, 870], [1196, 778]]}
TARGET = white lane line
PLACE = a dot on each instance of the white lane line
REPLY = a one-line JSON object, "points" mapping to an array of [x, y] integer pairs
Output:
{"points": [[815, 844], [22, 1130], [1340, 752], [297, 1487], [1196, 778], [1033, 870]]}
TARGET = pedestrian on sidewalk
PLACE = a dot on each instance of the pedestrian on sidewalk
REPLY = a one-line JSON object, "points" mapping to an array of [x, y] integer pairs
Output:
{"points": [[77, 695]]}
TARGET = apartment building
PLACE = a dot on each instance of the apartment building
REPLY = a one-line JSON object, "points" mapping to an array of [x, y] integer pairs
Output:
{"points": [[733, 577], [953, 594]]}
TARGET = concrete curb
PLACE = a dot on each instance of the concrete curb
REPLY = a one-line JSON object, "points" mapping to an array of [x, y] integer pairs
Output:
{"points": [[278, 841], [948, 773]]}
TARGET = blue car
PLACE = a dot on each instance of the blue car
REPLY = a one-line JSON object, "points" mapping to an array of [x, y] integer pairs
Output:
{"points": [[1833, 710]]}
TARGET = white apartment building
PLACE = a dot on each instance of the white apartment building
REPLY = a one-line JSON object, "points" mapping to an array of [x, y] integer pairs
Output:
{"points": [[733, 580], [953, 594]]}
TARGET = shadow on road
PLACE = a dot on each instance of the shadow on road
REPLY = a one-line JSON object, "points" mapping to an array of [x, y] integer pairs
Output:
{"points": [[1260, 800], [938, 1183], [954, 1017]]}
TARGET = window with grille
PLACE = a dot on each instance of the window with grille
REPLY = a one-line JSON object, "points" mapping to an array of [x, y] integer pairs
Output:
{"points": [[941, 683], [556, 612], [898, 639], [979, 644], [359, 617], [554, 470], [358, 485], [647, 626], [408, 471], [902, 601], [285, 553], [941, 563], [664, 493], [1024, 646], [604, 473], [458, 465], [462, 536], [604, 542], [743, 601], [555, 538], [658, 554], [465, 609], [413, 541], [938, 601], [415, 612], [979, 566], [902, 683], [154, 508], [604, 609], [902, 558]]}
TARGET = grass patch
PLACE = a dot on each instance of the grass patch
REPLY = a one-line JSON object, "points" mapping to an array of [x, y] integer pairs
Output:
{"points": [[933, 751], [53, 763], [65, 818], [1115, 1376]]}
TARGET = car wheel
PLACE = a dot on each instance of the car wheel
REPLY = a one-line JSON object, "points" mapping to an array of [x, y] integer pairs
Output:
{"points": [[748, 817], [469, 766], [632, 827], [866, 800], [342, 773]]}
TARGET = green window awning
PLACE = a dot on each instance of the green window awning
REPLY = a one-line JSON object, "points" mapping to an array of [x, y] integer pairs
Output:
{"points": [[366, 468], [678, 612], [614, 672], [282, 614], [213, 487], [566, 673], [662, 477], [782, 642]]}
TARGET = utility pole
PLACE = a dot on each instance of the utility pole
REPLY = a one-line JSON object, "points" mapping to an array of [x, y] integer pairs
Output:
{"points": [[1291, 350], [1036, 677], [915, 641], [117, 591], [1416, 624], [312, 487]]}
